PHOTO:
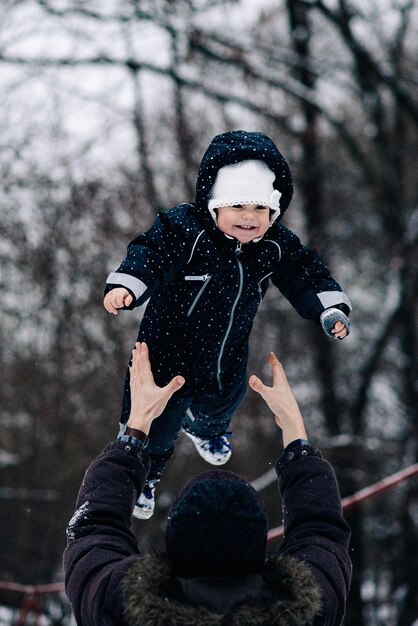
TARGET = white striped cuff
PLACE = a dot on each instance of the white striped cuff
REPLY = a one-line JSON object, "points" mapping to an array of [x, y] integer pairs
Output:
{"points": [[332, 298], [130, 282]]}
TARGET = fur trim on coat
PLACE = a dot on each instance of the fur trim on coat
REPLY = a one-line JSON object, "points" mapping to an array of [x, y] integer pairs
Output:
{"points": [[149, 598]]}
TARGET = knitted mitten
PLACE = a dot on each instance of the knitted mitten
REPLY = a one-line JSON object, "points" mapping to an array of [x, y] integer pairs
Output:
{"points": [[328, 319]]}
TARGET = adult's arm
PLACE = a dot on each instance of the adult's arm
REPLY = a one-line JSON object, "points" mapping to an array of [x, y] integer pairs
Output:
{"points": [[315, 530], [100, 544]]}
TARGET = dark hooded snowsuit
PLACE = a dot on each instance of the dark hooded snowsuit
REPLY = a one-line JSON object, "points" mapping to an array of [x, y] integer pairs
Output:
{"points": [[109, 583], [204, 289]]}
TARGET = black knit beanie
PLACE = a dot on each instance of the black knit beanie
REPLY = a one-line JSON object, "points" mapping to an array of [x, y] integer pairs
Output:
{"points": [[217, 526]]}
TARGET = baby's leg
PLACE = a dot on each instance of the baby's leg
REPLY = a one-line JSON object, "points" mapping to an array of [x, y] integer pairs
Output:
{"points": [[210, 413], [162, 437], [207, 421], [164, 433]]}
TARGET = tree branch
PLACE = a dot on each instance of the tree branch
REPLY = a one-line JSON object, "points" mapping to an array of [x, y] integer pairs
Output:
{"points": [[364, 57], [300, 92]]}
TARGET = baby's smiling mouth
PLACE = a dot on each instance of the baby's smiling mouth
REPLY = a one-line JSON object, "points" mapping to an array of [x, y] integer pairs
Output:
{"points": [[245, 227]]}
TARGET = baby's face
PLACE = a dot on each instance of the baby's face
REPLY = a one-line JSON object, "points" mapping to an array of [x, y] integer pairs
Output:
{"points": [[245, 222]]}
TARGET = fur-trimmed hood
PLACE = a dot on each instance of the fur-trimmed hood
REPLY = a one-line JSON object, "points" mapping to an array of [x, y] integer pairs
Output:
{"points": [[285, 594]]}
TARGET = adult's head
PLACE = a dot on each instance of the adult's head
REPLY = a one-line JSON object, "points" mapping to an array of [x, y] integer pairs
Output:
{"points": [[217, 526]]}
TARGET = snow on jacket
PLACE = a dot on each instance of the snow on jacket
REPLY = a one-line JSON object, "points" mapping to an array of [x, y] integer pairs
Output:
{"points": [[204, 288], [109, 583]]}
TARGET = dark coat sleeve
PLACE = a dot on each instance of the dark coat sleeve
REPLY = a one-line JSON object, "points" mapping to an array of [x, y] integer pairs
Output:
{"points": [[152, 259], [304, 279], [101, 546], [315, 529]]}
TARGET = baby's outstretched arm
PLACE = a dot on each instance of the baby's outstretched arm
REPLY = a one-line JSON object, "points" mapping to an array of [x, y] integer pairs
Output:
{"points": [[117, 299]]}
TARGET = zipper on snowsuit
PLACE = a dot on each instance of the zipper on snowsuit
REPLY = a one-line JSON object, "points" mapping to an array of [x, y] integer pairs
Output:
{"points": [[205, 278], [231, 315]]}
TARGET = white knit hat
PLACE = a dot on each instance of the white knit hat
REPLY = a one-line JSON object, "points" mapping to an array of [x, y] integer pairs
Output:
{"points": [[246, 182]]}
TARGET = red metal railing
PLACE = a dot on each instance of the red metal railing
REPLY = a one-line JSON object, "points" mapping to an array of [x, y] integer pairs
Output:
{"points": [[31, 604]]}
